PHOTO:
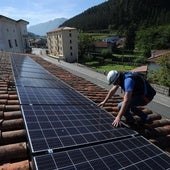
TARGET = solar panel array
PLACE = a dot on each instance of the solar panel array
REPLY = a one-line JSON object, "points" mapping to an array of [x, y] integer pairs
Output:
{"points": [[68, 131], [55, 127], [134, 153]]}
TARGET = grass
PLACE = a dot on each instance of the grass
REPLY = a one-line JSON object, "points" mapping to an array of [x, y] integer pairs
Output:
{"points": [[108, 67]]}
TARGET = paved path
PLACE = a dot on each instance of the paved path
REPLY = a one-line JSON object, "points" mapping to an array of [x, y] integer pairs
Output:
{"points": [[160, 103]]}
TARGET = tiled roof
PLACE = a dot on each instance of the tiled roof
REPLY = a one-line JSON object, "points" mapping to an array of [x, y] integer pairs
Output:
{"points": [[13, 143], [157, 54], [100, 44], [9, 19], [141, 69], [14, 151], [61, 29]]}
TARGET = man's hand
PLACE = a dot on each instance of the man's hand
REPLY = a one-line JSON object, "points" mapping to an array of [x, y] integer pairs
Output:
{"points": [[101, 104], [116, 122]]}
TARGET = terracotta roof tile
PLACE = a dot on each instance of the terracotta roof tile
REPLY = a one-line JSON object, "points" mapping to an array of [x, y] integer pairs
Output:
{"points": [[14, 152], [13, 141], [157, 54], [61, 29], [141, 69]]}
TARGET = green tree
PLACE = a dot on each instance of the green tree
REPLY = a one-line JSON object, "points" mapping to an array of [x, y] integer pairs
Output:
{"points": [[153, 38], [161, 76], [85, 43], [130, 38], [106, 53]]}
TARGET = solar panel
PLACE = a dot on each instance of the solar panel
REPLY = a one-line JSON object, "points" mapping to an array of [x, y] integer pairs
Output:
{"points": [[37, 75], [30, 64], [19, 70], [29, 73], [25, 68], [59, 95], [34, 82], [68, 131], [21, 59], [133, 153], [26, 64], [56, 127]]}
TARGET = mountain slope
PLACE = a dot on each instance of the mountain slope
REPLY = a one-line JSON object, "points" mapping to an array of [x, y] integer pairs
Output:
{"points": [[43, 28], [118, 14]]}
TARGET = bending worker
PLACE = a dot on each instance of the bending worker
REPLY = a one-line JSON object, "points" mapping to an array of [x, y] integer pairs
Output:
{"points": [[137, 92]]}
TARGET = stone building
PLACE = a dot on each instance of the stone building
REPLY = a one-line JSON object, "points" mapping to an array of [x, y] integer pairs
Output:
{"points": [[13, 35], [63, 43]]}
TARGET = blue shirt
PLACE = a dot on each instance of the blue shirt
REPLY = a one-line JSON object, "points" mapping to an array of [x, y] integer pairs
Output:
{"points": [[128, 83]]}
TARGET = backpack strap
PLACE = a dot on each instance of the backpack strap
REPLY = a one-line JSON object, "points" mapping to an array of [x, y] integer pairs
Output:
{"points": [[147, 91], [140, 87]]}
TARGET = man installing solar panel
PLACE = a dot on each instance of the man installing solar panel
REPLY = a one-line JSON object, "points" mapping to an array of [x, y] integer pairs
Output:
{"points": [[137, 92]]}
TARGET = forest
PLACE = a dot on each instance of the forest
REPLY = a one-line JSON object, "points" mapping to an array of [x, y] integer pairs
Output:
{"points": [[121, 14]]}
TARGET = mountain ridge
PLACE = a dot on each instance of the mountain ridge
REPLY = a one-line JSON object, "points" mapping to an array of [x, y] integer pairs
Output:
{"points": [[42, 28]]}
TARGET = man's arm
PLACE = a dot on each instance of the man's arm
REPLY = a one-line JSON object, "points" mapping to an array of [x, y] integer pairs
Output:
{"points": [[126, 101], [111, 92]]}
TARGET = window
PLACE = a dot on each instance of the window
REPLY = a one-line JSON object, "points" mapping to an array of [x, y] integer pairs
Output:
{"points": [[9, 42], [70, 41], [70, 34], [71, 54], [16, 43], [70, 47]]}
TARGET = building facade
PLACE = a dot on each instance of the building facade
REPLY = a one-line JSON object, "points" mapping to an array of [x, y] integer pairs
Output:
{"points": [[63, 43], [13, 35]]}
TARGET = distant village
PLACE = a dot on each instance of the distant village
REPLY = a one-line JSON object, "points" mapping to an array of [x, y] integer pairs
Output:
{"points": [[60, 43]]}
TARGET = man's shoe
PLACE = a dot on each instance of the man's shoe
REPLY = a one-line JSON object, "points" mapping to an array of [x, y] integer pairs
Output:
{"points": [[148, 120], [130, 122], [141, 122]]}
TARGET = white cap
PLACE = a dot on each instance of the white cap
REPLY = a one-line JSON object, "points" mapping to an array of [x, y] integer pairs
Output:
{"points": [[112, 76]]}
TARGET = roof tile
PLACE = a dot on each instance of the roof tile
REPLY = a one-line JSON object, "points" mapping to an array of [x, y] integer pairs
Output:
{"points": [[13, 141]]}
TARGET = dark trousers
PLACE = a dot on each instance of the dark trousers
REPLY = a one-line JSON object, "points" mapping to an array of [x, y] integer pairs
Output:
{"points": [[135, 101]]}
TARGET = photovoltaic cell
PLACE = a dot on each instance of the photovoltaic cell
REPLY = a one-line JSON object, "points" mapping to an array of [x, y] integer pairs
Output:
{"points": [[107, 156], [59, 95], [22, 71], [35, 75], [26, 64], [22, 62], [56, 127], [20, 59], [32, 82]]}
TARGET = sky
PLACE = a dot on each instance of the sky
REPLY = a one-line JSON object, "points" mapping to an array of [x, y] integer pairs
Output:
{"points": [[39, 11]]}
